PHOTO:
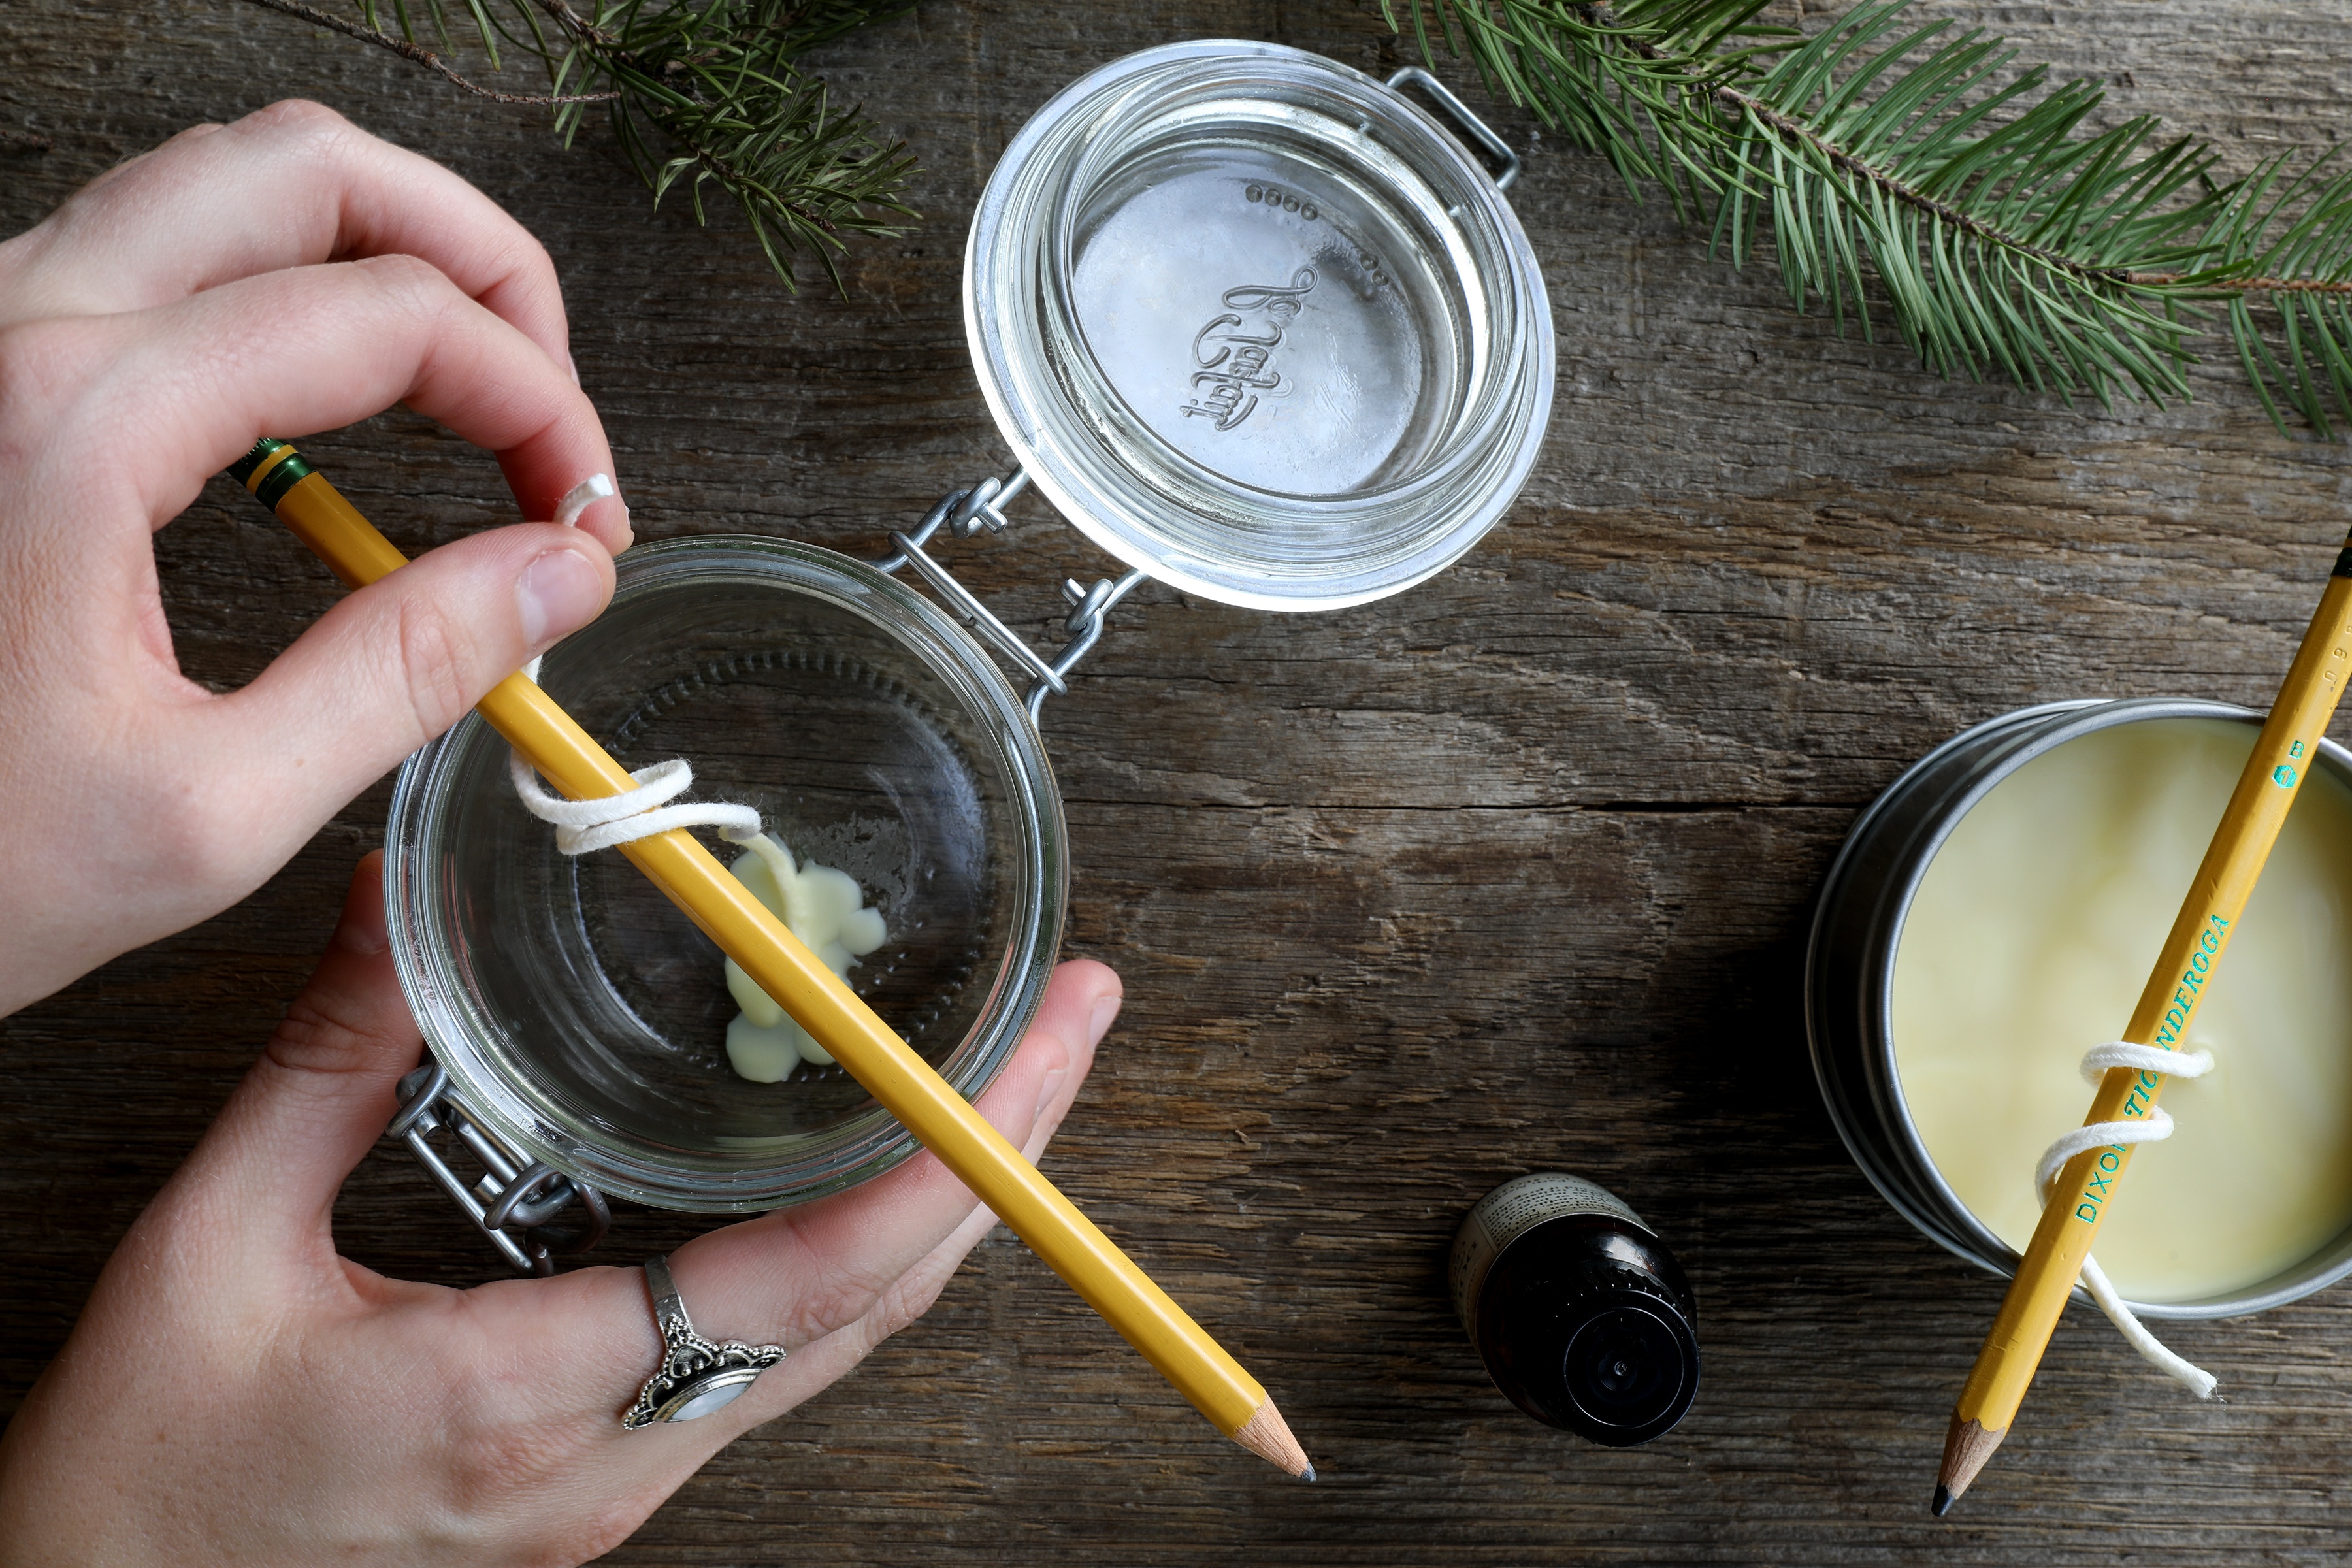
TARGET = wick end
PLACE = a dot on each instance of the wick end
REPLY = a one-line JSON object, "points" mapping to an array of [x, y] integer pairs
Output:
{"points": [[580, 497]]}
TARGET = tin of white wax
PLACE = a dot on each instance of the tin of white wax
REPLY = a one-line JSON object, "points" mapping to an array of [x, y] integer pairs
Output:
{"points": [[1857, 993]]}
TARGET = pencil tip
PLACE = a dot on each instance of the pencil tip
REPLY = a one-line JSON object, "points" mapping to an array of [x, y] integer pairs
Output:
{"points": [[1267, 1435], [1967, 1446]]}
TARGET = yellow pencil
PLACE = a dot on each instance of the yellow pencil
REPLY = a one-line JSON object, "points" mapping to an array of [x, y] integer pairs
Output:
{"points": [[786, 970], [2209, 916]]}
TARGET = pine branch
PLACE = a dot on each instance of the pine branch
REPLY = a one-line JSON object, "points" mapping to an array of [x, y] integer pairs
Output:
{"points": [[719, 85], [705, 92], [1890, 163], [425, 57]]}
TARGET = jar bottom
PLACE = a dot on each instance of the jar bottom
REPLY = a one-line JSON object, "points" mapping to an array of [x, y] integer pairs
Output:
{"points": [[1262, 309]]}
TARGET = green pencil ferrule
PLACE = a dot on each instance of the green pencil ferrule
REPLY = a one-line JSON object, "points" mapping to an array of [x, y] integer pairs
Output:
{"points": [[289, 472], [242, 470]]}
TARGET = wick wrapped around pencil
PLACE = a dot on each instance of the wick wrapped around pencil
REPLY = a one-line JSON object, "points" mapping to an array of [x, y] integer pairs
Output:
{"points": [[2187, 968]]}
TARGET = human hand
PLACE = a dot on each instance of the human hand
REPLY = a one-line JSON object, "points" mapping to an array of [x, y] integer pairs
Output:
{"points": [[279, 276], [236, 1393]]}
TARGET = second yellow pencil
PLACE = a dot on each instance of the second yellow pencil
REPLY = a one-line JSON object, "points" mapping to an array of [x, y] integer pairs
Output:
{"points": [[2191, 954]]}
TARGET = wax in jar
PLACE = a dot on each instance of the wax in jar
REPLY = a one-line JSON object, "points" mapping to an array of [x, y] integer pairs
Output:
{"points": [[2029, 941], [824, 908]]}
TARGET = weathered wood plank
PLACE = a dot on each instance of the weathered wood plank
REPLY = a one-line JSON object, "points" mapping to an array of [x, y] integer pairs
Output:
{"points": [[1513, 872]]}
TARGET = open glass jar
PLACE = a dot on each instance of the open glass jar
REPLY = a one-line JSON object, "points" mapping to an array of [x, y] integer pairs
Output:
{"points": [[1258, 325]]}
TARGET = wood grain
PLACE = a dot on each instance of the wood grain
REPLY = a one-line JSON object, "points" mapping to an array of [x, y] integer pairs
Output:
{"points": [[1511, 873]]}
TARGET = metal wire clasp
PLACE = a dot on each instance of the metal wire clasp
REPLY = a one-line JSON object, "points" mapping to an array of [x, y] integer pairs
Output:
{"points": [[515, 1203], [1506, 162], [967, 513]]}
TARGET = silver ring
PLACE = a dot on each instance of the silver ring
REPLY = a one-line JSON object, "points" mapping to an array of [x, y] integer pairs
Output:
{"points": [[697, 1375]]}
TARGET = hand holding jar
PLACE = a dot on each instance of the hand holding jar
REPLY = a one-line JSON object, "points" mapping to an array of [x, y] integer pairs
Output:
{"points": [[237, 1392]]}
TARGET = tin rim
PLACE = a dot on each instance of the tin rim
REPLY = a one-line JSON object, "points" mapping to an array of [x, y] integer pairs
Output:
{"points": [[1857, 930]]}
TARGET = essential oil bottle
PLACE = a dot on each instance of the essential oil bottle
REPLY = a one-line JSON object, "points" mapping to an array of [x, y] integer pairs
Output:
{"points": [[1581, 1316]]}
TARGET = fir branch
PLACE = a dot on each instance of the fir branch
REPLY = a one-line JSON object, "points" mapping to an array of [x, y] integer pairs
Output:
{"points": [[706, 93], [1888, 162], [423, 57], [719, 85]]}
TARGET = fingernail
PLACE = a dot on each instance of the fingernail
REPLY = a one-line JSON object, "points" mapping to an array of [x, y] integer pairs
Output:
{"points": [[362, 930], [1098, 1026], [573, 365], [557, 595], [582, 495], [1047, 1087]]}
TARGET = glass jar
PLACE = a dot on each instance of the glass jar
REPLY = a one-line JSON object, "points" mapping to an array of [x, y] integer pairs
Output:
{"points": [[1258, 326], [581, 1018], [1255, 323]]}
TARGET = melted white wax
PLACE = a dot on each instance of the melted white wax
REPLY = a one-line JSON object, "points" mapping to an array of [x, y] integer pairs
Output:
{"points": [[824, 908], [2027, 943]]}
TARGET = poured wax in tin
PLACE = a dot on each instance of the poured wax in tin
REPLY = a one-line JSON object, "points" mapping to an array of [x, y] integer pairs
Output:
{"points": [[824, 908], [2029, 941]]}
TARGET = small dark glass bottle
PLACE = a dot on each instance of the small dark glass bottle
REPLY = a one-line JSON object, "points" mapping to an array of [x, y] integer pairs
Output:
{"points": [[1583, 1318]]}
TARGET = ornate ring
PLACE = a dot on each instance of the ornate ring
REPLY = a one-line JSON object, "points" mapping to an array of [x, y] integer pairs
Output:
{"points": [[697, 1375]]}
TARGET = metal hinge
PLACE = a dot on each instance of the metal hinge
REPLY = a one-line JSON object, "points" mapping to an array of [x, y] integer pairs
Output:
{"points": [[1506, 162], [515, 1203], [969, 512]]}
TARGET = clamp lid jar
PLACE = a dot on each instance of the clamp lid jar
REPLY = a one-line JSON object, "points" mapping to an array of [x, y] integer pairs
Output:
{"points": [[582, 1020], [1258, 325]]}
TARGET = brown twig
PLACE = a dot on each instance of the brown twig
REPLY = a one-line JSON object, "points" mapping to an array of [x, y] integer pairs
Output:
{"points": [[25, 140], [2249, 285], [426, 57], [579, 26]]}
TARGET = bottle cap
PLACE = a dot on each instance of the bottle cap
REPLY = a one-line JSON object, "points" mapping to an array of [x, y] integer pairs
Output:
{"points": [[1629, 1367], [1585, 1322]]}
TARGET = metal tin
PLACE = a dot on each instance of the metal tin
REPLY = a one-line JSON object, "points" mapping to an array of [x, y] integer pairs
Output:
{"points": [[1850, 973]]}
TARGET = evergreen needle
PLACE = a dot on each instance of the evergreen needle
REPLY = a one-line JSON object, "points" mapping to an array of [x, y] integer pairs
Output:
{"points": [[1998, 233], [706, 93]]}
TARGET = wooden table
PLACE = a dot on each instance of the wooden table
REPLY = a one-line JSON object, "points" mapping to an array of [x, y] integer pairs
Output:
{"points": [[1513, 872]]}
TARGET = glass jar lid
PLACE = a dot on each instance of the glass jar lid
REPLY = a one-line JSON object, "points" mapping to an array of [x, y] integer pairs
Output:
{"points": [[1258, 325]]}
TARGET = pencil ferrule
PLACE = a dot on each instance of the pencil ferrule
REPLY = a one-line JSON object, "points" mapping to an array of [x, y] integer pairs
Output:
{"points": [[290, 471]]}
